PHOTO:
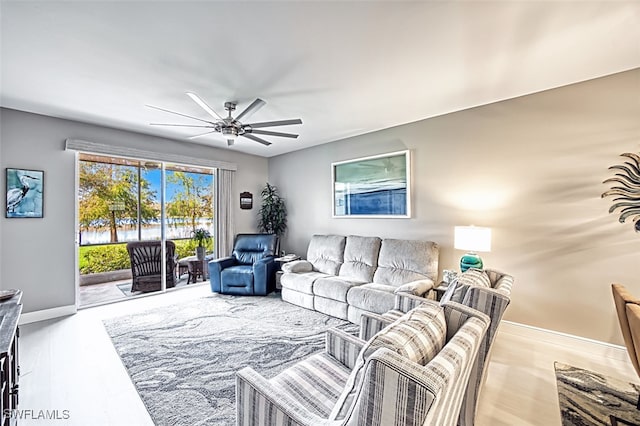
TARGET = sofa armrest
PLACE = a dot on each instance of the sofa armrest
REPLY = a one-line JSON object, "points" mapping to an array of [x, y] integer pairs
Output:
{"points": [[256, 396], [371, 323], [297, 266], [215, 267], [405, 302], [417, 288], [503, 286], [344, 347], [490, 302]]}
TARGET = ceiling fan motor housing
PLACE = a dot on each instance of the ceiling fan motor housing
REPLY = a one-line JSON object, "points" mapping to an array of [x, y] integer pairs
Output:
{"points": [[229, 132]]}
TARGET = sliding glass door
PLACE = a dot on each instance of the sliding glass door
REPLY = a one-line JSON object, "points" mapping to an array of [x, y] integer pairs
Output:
{"points": [[126, 208]]}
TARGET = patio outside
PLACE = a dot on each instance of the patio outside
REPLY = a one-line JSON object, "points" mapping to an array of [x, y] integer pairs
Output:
{"points": [[119, 202]]}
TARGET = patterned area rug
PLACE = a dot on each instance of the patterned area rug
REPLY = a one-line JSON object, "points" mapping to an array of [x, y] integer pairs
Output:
{"points": [[587, 398], [183, 358]]}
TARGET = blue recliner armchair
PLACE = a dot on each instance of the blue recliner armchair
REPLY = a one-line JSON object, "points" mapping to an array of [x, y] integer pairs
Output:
{"points": [[251, 268]]}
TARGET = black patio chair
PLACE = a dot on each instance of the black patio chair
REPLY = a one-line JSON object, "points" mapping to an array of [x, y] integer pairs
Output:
{"points": [[146, 265]]}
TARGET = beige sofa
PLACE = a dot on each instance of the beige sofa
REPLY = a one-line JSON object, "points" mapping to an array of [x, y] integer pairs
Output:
{"points": [[345, 276]]}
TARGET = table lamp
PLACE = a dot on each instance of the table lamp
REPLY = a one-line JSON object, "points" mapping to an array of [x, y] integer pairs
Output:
{"points": [[472, 239]]}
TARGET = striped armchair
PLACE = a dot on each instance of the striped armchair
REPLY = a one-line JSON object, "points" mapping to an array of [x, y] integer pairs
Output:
{"points": [[489, 293], [357, 382]]}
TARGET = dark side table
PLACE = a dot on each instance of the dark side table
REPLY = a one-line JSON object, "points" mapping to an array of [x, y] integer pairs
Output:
{"points": [[196, 268], [440, 290]]}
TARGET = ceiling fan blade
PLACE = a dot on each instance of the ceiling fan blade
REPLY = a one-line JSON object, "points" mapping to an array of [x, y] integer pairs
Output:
{"points": [[204, 105], [201, 135], [180, 125], [270, 133], [255, 106], [257, 139], [275, 123], [179, 113]]}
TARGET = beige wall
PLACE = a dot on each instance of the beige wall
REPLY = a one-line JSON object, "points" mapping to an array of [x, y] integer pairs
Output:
{"points": [[530, 168], [38, 255]]}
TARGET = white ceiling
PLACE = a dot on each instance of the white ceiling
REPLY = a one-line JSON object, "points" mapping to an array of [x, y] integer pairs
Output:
{"points": [[344, 68]]}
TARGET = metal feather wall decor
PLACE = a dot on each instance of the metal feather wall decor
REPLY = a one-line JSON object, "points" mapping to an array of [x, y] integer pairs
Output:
{"points": [[626, 189]]}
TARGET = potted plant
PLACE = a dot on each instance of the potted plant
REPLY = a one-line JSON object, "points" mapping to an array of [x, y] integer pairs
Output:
{"points": [[200, 236], [272, 217]]}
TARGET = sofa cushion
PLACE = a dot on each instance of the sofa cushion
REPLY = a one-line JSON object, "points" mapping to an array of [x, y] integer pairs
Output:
{"points": [[335, 288], [237, 276], [326, 253], [378, 298], [474, 277], [331, 307], [470, 278], [417, 335], [360, 258], [403, 261], [317, 380], [301, 282]]}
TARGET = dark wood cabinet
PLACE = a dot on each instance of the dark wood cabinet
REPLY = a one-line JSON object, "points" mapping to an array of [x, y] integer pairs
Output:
{"points": [[10, 311]]}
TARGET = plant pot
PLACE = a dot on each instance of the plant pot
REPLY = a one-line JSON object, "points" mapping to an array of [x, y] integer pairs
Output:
{"points": [[200, 252]]}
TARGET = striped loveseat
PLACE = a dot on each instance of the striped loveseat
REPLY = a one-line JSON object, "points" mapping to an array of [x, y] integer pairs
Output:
{"points": [[414, 372], [487, 291]]}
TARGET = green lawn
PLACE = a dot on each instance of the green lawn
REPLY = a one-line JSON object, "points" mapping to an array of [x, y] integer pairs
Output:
{"points": [[112, 257]]}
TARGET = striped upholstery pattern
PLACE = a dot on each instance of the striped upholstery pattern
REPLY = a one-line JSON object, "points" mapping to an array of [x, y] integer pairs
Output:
{"points": [[470, 278], [343, 346], [418, 336], [493, 302], [371, 323], [390, 386], [459, 355], [258, 402], [316, 381], [474, 276], [394, 391], [405, 302], [501, 282]]}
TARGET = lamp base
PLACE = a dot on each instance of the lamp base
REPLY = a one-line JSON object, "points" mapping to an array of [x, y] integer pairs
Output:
{"points": [[470, 260]]}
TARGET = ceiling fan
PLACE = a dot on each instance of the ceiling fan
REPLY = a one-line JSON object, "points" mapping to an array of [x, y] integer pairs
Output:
{"points": [[229, 126]]}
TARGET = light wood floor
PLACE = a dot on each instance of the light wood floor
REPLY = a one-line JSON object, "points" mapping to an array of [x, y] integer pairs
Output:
{"points": [[70, 364]]}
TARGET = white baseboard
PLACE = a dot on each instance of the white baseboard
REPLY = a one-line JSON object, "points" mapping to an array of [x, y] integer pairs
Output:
{"points": [[46, 314], [596, 347]]}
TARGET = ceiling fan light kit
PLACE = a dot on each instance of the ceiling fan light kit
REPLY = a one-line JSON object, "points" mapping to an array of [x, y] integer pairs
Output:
{"points": [[232, 128]]}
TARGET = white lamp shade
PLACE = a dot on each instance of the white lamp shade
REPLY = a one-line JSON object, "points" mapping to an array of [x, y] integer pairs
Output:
{"points": [[472, 238]]}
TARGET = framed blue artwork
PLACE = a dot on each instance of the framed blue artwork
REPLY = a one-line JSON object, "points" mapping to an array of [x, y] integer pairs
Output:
{"points": [[24, 193], [378, 186]]}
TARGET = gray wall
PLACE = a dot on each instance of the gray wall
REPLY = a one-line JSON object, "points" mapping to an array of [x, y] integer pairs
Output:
{"points": [[530, 168], [38, 255]]}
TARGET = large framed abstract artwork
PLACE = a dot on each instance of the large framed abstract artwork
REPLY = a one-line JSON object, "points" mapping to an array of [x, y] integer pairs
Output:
{"points": [[378, 186], [24, 193]]}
